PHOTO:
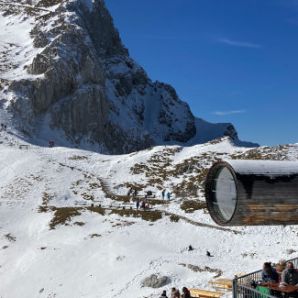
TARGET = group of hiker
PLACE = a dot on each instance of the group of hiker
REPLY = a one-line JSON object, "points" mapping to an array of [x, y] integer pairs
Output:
{"points": [[165, 194], [175, 293], [132, 192], [142, 204]]}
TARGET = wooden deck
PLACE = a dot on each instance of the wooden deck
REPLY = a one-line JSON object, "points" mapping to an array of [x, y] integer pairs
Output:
{"points": [[222, 283], [204, 294]]}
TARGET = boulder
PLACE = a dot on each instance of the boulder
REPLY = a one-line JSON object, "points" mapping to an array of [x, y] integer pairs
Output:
{"points": [[155, 281]]}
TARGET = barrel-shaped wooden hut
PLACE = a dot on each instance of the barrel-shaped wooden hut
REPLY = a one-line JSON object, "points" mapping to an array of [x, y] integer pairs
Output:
{"points": [[253, 192]]}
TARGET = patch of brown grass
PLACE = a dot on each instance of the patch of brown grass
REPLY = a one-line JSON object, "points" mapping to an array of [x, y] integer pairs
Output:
{"points": [[154, 202], [145, 215], [78, 157], [174, 218], [190, 206], [63, 215], [95, 235], [79, 223], [48, 3], [95, 209]]}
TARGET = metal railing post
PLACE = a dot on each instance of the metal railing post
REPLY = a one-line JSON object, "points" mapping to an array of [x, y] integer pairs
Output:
{"points": [[235, 290]]}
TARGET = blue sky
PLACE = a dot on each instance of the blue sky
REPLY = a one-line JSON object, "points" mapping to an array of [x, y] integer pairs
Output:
{"points": [[231, 60]]}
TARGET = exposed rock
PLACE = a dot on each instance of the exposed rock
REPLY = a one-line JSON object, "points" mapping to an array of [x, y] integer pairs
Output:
{"points": [[40, 39], [194, 268], [81, 81], [290, 251], [153, 281]]}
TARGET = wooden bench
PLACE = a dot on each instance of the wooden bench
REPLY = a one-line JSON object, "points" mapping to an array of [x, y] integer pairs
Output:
{"points": [[205, 294], [222, 283]]}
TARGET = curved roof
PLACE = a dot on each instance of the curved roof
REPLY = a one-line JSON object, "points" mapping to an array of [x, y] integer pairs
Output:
{"points": [[264, 167]]}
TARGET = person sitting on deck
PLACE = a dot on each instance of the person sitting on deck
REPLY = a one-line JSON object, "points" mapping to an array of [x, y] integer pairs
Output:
{"points": [[290, 275], [269, 274], [281, 266]]}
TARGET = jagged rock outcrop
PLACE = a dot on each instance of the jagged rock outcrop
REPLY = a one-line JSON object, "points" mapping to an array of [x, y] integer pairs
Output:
{"points": [[76, 77], [207, 131]]}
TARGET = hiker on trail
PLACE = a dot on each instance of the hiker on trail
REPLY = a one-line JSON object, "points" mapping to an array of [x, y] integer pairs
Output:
{"points": [[190, 248], [185, 293], [135, 193], [168, 195], [163, 194], [138, 204], [129, 192], [143, 205], [164, 295], [269, 274]]}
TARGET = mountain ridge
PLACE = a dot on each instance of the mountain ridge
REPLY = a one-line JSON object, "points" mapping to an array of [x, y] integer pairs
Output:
{"points": [[72, 76]]}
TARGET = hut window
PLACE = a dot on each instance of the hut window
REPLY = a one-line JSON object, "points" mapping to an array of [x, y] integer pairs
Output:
{"points": [[225, 193]]}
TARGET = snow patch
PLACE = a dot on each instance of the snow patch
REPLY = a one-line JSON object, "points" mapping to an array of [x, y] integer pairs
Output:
{"points": [[264, 167]]}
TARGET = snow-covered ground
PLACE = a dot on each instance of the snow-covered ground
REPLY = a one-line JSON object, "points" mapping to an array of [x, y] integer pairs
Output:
{"points": [[95, 255], [63, 230]]}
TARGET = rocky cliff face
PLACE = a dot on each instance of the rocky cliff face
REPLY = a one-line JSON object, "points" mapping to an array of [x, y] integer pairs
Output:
{"points": [[65, 70]]}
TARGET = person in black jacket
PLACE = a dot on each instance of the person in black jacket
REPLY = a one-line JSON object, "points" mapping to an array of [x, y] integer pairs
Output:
{"points": [[185, 293], [269, 274], [164, 295], [290, 275]]}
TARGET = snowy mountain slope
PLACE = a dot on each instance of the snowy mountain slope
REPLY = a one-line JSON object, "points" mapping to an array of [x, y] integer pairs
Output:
{"points": [[64, 72], [56, 241], [207, 131]]}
